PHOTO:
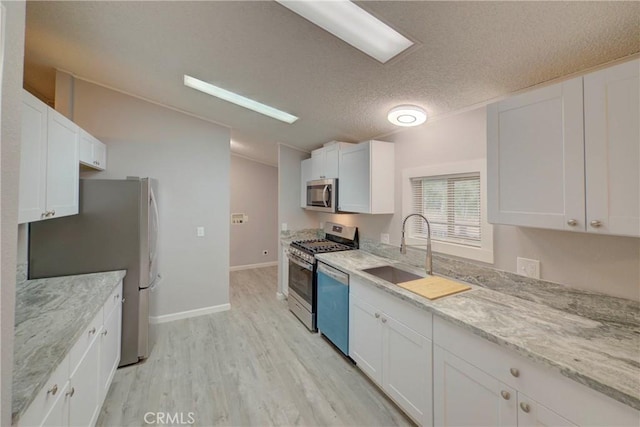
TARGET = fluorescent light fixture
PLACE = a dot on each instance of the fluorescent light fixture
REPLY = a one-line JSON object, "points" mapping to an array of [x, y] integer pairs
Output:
{"points": [[353, 25], [240, 100], [407, 115]]}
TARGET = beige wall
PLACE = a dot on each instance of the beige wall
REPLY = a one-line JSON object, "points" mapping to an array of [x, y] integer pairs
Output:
{"points": [[10, 120], [601, 263], [191, 160], [254, 192]]}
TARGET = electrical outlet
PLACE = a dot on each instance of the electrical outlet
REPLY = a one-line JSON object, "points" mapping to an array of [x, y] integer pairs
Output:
{"points": [[384, 238], [284, 226], [528, 267], [265, 252], [200, 231]]}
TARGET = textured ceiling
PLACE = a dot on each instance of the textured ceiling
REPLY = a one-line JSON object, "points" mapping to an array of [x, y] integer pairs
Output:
{"points": [[466, 53]]}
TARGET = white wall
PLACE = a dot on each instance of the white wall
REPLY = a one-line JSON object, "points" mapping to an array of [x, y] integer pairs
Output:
{"points": [[601, 263], [289, 181], [10, 120], [254, 192], [191, 160]]}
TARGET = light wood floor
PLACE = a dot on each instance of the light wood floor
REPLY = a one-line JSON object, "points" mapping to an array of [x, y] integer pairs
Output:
{"points": [[255, 365]]}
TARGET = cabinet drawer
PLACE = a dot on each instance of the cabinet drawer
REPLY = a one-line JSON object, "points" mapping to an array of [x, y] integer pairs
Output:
{"points": [[112, 302], [413, 317], [580, 404], [84, 341], [52, 390]]}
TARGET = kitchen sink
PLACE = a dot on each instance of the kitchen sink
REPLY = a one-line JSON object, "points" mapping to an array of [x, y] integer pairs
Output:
{"points": [[392, 274]]}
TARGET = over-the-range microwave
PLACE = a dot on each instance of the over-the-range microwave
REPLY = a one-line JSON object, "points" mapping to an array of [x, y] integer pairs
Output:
{"points": [[322, 195]]}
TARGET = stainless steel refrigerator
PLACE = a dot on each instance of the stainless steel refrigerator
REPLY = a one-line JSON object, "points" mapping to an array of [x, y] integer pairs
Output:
{"points": [[115, 229]]}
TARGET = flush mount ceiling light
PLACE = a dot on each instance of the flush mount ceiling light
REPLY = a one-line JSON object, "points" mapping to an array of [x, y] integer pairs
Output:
{"points": [[353, 25], [240, 100], [407, 115]]}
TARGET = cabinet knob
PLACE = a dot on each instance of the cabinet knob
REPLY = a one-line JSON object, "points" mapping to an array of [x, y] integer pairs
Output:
{"points": [[525, 407], [384, 320], [505, 395], [514, 372], [104, 332], [377, 315], [70, 392], [572, 222], [92, 331], [595, 223], [53, 212], [53, 390]]}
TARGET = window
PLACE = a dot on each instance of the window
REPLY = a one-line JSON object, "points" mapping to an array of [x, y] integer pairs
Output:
{"points": [[452, 196], [451, 204]]}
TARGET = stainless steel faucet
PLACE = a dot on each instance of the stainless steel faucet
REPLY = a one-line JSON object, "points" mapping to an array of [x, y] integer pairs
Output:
{"points": [[428, 262]]}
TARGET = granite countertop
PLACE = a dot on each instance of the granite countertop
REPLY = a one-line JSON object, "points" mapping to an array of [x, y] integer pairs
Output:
{"points": [[49, 318], [601, 351]]}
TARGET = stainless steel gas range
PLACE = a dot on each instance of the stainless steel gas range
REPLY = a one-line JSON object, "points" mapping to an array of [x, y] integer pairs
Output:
{"points": [[303, 289]]}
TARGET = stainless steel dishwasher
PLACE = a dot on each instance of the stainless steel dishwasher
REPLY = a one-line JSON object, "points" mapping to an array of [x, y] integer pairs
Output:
{"points": [[333, 306]]}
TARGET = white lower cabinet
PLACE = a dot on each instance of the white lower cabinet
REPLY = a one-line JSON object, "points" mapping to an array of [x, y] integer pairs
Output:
{"points": [[466, 396], [477, 383], [74, 393], [387, 343], [283, 288]]}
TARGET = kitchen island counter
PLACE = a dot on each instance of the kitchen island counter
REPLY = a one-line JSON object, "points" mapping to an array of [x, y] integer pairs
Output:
{"points": [[49, 318], [599, 351]]}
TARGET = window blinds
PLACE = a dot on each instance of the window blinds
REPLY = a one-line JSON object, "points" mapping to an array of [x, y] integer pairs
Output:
{"points": [[451, 203]]}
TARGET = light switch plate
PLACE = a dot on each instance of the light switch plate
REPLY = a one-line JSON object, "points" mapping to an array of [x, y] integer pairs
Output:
{"points": [[528, 267], [200, 231]]}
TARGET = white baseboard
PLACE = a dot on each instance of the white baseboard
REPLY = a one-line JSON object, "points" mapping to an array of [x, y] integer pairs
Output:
{"points": [[189, 313], [250, 266]]}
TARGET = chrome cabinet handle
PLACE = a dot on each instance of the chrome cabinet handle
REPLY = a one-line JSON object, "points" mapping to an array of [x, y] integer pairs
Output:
{"points": [[595, 223], [53, 212], [377, 315], [384, 320], [92, 331], [525, 407], [505, 395], [514, 372], [53, 390], [70, 392], [572, 222]]}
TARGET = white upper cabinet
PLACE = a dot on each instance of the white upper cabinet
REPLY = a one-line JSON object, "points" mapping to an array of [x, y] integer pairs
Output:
{"points": [[48, 163], [535, 158], [93, 153], [33, 160], [366, 178], [612, 149], [567, 156], [324, 161]]}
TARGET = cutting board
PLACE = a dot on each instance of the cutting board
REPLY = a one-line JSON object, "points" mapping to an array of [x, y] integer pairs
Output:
{"points": [[434, 287]]}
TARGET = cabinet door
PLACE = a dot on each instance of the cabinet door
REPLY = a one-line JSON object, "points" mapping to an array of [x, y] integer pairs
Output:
{"points": [[100, 154], [58, 415], [354, 184], [331, 160], [535, 158], [110, 349], [317, 163], [612, 149], [85, 149], [284, 272], [365, 338], [305, 176], [466, 396], [533, 414], [33, 160], [407, 369], [62, 165], [83, 402]]}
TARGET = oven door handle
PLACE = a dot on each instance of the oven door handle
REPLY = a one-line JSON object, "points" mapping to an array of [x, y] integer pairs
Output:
{"points": [[302, 264], [325, 193]]}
